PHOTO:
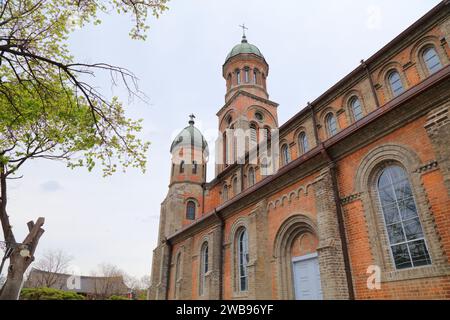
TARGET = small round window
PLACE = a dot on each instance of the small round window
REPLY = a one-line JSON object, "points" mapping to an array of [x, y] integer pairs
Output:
{"points": [[259, 116]]}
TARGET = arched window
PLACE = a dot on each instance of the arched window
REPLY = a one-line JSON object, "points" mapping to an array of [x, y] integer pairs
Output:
{"points": [[303, 143], [331, 124], [225, 149], [194, 167], [178, 275], [267, 133], [405, 234], [235, 186], [431, 59], [356, 109], [247, 75], [253, 133], [182, 167], [255, 76], [251, 177], [265, 164], [225, 193], [190, 210], [242, 259], [396, 83], [204, 265], [238, 76], [285, 154]]}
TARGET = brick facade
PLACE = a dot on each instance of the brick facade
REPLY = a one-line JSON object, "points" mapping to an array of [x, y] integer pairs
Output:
{"points": [[325, 201]]}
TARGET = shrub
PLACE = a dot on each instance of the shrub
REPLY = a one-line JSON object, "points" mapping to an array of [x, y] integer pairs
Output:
{"points": [[118, 298], [48, 294]]}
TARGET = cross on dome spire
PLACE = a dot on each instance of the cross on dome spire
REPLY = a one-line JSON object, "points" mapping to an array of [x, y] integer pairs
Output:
{"points": [[244, 38], [192, 116]]}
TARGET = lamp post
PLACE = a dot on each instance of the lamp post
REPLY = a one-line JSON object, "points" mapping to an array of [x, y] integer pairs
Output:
{"points": [[8, 248]]}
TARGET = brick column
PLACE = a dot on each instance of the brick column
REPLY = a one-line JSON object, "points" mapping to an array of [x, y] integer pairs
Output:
{"points": [[259, 268], [185, 287], [160, 271], [438, 129], [213, 276], [331, 259]]}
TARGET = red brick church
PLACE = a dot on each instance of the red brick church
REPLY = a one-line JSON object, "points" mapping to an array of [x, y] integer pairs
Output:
{"points": [[353, 202]]}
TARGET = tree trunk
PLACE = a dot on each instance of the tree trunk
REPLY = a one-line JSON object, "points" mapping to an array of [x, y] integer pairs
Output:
{"points": [[19, 264], [17, 267]]}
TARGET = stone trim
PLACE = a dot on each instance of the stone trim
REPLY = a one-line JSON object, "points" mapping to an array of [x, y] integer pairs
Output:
{"points": [[365, 183], [351, 198], [288, 231], [430, 165], [288, 197], [242, 222]]}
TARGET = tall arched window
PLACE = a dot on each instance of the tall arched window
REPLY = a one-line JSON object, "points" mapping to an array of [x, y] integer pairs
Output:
{"points": [[265, 163], [255, 77], [242, 259], [396, 83], [247, 75], [303, 143], [177, 274], [182, 167], [431, 59], [190, 210], [285, 154], [225, 193], [253, 133], [356, 108], [238, 76], [405, 234], [204, 267], [194, 167], [331, 124], [235, 186], [251, 177], [225, 149]]}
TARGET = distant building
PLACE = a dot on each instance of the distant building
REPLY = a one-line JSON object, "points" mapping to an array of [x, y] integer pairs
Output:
{"points": [[363, 186], [89, 286]]}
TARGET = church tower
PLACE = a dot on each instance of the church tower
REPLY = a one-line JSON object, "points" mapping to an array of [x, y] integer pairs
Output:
{"points": [[247, 105], [183, 203]]}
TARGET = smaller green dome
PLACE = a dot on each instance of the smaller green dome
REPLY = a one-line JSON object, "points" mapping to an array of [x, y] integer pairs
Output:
{"points": [[190, 137], [244, 47]]}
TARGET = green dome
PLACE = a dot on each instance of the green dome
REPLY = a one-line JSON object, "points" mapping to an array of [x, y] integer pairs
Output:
{"points": [[190, 137], [244, 47]]}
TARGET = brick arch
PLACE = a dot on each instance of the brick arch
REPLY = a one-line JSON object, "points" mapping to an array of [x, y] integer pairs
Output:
{"points": [[289, 230], [349, 96], [385, 72], [365, 184], [418, 49]]}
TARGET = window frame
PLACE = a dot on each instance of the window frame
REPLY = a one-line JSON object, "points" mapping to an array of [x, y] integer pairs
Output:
{"points": [[191, 204], [426, 65], [251, 177], [285, 154], [401, 221], [242, 259], [352, 102], [182, 166], [328, 117], [204, 267], [390, 73], [303, 144]]}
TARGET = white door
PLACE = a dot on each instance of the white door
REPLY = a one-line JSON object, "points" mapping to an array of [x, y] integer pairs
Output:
{"points": [[307, 277]]}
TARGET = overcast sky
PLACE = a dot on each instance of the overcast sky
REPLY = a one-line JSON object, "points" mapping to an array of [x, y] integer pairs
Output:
{"points": [[309, 45]]}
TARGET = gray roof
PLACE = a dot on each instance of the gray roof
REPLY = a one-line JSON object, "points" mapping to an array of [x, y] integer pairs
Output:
{"points": [[244, 47], [90, 285], [190, 137]]}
